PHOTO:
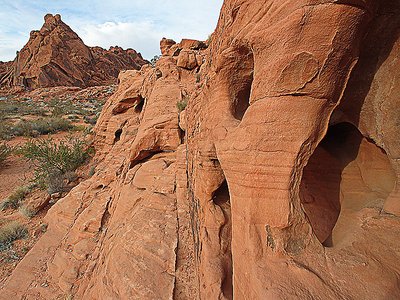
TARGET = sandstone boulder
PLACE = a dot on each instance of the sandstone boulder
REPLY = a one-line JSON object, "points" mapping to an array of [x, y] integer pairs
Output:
{"points": [[165, 45]]}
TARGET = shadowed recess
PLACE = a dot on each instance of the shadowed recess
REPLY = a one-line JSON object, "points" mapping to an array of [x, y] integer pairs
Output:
{"points": [[345, 174], [241, 83], [221, 198]]}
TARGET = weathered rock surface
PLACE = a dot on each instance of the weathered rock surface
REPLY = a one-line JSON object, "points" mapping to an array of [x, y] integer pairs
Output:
{"points": [[5, 68], [280, 179], [56, 56]]}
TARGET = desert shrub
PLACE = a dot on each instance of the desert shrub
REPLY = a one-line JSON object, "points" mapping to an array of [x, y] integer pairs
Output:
{"points": [[14, 107], [73, 118], [79, 128], [27, 212], [88, 130], [92, 171], [43, 227], [5, 130], [54, 161], [154, 60], [16, 198], [181, 105], [11, 232], [91, 120], [40, 127], [5, 152], [64, 107]]}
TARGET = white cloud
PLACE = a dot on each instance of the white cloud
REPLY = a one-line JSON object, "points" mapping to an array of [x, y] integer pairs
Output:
{"points": [[141, 36], [133, 24], [8, 47]]}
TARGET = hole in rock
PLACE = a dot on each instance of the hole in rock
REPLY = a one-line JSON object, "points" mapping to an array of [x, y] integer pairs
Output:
{"points": [[345, 174], [139, 105], [241, 81], [221, 198], [117, 135]]}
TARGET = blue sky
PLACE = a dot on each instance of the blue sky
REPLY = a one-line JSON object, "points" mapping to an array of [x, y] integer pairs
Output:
{"points": [[138, 24]]}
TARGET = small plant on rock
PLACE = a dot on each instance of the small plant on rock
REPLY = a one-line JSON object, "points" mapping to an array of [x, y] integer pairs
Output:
{"points": [[154, 60], [181, 105]]}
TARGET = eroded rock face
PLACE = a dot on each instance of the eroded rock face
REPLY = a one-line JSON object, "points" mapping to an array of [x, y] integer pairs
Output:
{"points": [[279, 180], [56, 56], [275, 84], [5, 68], [138, 194]]}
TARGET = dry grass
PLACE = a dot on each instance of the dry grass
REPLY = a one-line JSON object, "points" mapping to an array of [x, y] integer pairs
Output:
{"points": [[5, 152], [27, 212], [11, 232], [16, 198]]}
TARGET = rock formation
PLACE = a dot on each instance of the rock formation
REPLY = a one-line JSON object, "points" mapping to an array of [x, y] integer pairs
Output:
{"points": [[279, 180], [56, 56], [5, 68]]}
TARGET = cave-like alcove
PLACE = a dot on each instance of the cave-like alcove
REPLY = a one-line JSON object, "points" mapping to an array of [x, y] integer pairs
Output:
{"points": [[117, 135], [140, 104], [221, 198], [240, 81], [345, 174]]}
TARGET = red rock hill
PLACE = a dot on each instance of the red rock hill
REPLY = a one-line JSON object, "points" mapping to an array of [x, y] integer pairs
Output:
{"points": [[56, 56]]}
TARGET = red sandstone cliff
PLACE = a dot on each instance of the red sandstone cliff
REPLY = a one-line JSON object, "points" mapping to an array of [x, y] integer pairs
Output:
{"points": [[56, 56], [280, 179]]}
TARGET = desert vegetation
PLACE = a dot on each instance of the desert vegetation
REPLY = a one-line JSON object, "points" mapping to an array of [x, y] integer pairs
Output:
{"points": [[28, 118], [5, 152], [48, 139], [11, 232], [55, 162], [16, 198], [181, 105]]}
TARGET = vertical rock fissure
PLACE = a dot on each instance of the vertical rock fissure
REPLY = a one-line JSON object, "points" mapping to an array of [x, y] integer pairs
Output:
{"points": [[221, 198]]}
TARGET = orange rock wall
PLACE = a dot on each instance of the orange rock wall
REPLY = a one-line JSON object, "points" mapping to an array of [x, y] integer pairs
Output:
{"points": [[279, 180]]}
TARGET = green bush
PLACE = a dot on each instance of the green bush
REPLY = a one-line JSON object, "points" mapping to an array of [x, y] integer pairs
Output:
{"points": [[154, 60], [14, 107], [5, 130], [54, 161], [91, 120], [181, 105], [15, 199], [64, 107], [11, 232], [5, 152], [40, 127]]}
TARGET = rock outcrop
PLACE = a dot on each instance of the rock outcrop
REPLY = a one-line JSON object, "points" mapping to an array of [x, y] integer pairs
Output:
{"points": [[278, 180], [5, 68], [56, 56]]}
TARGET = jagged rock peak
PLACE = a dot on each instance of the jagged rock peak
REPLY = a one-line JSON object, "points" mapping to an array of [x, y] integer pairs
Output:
{"points": [[56, 56]]}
